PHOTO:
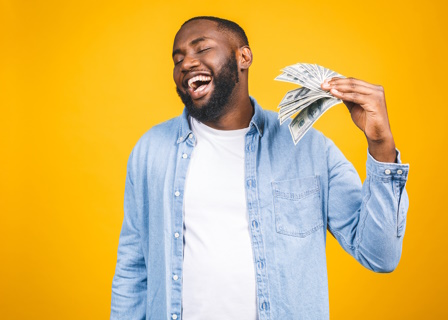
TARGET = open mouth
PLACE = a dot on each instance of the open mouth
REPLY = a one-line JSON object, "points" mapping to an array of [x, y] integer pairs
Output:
{"points": [[199, 83], [199, 86]]}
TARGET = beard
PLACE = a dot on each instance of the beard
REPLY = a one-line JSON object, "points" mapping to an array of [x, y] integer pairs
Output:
{"points": [[216, 106]]}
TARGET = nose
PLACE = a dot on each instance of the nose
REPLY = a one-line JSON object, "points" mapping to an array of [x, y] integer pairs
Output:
{"points": [[189, 63]]}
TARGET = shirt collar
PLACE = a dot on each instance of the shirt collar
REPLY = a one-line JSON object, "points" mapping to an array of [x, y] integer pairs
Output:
{"points": [[257, 121]]}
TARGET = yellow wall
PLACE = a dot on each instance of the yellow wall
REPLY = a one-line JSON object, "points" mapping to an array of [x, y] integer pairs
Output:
{"points": [[81, 81]]}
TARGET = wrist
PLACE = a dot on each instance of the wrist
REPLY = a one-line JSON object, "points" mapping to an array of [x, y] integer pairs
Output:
{"points": [[383, 150]]}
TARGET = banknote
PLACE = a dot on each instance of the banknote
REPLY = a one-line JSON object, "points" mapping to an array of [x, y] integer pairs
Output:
{"points": [[306, 118], [309, 101]]}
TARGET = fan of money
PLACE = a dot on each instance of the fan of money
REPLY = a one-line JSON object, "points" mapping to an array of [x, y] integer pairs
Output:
{"points": [[310, 101]]}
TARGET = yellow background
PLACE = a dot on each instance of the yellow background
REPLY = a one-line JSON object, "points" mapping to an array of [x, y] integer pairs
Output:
{"points": [[81, 81]]}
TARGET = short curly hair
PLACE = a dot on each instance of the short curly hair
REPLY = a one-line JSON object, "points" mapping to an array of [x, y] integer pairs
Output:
{"points": [[226, 25]]}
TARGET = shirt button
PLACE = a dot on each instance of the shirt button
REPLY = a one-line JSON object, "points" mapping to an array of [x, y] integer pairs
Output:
{"points": [[175, 277], [264, 306], [184, 156], [387, 171], [254, 223], [190, 136], [400, 171], [174, 316], [176, 235], [177, 193]]}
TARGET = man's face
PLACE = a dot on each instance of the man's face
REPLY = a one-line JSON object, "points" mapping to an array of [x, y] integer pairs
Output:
{"points": [[205, 69]]}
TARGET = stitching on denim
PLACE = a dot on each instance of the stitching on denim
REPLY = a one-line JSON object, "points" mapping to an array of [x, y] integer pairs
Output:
{"points": [[253, 169], [287, 232], [361, 224], [295, 196], [180, 130], [280, 229], [400, 224], [334, 231]]}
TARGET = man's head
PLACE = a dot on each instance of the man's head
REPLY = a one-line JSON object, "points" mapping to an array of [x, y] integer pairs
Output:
{"points": [[211, 60]]}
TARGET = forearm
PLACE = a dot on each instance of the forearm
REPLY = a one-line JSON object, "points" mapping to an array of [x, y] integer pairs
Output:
{"points": [[382, 216]]}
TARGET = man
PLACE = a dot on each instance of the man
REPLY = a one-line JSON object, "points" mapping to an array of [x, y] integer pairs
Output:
{"points": [[226, 219]]}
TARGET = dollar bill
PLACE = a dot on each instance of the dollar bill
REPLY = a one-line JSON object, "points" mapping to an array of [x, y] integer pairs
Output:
{"points": [[309, 101], [308, 116], [297, 106], [286, 77], [294, 95]]}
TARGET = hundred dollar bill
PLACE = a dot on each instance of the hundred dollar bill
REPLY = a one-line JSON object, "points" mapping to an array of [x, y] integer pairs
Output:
{"points": [[310, 101], [295, 107], [294, 95], [306, 118]]}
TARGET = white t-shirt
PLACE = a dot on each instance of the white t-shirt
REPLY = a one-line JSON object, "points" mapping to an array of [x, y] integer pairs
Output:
{"points": [[218, 272]]}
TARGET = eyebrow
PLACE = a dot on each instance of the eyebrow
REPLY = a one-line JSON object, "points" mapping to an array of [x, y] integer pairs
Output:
{"points": [[192, 43]]}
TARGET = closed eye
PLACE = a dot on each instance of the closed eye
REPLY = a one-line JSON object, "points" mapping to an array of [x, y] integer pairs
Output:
{"points": [[179, 60], [203, 50], [200, 51]]}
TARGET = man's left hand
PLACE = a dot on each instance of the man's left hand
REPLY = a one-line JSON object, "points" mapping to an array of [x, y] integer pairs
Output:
{"points": [[367, 105]]}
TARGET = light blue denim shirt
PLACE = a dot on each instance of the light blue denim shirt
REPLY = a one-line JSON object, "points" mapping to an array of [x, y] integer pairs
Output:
{"points": [[294, 194]]}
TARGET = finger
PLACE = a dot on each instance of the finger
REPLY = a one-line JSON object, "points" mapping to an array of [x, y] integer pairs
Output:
{"points": [[344, 82], [352, 88], [352, 82], [354, 97]]}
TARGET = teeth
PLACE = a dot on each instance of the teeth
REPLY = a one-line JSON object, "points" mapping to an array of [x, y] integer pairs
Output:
{"points": [[198, 78]]}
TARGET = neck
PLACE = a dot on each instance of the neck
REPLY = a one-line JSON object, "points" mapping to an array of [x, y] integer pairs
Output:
{"points": [[238, 115]]}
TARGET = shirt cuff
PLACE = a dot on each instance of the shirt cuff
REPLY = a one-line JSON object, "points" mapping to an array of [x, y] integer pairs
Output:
{"points": [[396, 170]]}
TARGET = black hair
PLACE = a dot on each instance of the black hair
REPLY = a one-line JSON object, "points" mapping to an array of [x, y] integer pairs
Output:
{"points": [[226, 25]]}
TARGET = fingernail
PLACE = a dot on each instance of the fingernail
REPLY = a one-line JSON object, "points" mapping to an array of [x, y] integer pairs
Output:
{"points": [[326, 84], [334, 91]]}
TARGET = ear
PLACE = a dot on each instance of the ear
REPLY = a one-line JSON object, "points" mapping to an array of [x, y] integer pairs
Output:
{"points": [[244, 58]]}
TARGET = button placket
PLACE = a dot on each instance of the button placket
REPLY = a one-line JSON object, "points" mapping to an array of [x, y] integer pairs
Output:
{"points": [[184, 151], [255, 224]]}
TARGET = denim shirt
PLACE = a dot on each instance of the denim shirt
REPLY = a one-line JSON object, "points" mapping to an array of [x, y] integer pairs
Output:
{"points": [[294, 194]]}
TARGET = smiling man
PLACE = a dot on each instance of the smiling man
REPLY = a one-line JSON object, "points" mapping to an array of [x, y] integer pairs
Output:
{"points": [[224, 218]]}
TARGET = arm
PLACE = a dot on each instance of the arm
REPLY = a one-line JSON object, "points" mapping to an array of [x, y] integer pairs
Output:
{"points": [[369, 222], [129, 283]]}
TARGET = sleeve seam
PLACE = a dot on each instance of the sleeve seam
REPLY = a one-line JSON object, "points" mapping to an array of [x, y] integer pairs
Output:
{"points": [[362, 222], [335, 231]]}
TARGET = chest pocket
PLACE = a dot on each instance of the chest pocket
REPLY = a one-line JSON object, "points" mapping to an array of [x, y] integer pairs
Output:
{"points": [[297, 206]]}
